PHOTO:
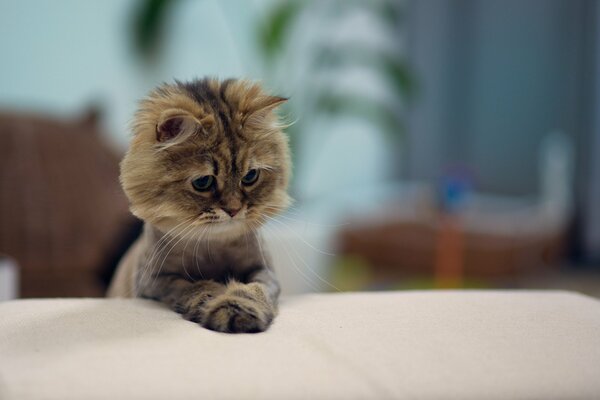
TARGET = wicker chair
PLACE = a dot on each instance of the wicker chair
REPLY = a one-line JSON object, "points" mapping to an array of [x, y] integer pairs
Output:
{"points": [[63, 216]]}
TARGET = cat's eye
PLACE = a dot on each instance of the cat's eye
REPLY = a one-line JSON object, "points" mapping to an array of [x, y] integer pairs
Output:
{"points": [[203, 183], [250, 177]]}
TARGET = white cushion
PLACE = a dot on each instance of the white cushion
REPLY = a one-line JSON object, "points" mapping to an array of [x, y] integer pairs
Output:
{"points": [[414, 345]]}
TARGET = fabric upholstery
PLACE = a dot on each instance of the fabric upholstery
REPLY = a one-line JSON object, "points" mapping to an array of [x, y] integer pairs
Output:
{"points": [[389, 345]]}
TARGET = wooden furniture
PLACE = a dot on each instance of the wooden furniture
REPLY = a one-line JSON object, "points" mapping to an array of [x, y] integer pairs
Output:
{"points": [[62, 211], [400, 243]]}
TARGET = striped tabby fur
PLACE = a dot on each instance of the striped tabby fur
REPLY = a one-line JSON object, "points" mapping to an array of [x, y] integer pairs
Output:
{"points": [[194, 256]]}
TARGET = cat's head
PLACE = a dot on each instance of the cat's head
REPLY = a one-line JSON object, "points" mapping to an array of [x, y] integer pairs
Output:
{"points": [[207, 153]]}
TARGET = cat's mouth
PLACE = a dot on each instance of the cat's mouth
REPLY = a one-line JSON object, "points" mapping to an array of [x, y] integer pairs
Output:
{"points": [[225, 223]]}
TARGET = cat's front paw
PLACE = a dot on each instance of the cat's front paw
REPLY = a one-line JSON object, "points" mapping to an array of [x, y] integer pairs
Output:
{"points": [[191, 305], [242, 309]]}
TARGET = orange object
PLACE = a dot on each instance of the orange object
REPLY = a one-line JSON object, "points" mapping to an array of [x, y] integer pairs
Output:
{"points": [[449, 253]]}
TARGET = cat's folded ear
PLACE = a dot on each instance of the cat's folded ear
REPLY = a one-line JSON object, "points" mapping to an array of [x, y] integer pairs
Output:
{"points": [[176, 125], [268, 103], [261, 108]]}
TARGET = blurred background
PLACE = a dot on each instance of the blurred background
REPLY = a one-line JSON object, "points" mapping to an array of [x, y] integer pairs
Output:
{"points": [[437, 144]]}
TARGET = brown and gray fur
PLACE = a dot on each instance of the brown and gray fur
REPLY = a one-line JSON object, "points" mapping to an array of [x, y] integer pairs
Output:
{"points": [[200, 252]]}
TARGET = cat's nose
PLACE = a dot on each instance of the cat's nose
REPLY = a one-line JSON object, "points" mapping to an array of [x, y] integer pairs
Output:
{"points": [[232, 211]]}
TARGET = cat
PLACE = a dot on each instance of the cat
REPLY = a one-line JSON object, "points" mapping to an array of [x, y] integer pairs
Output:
{"points": [[207, 165]]}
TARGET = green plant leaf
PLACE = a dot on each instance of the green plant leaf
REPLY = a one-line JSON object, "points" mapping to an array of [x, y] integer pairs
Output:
{"points": [[394, 69], [380, 113], [148, 22], [389, 11], [399, 74], [275, 29]]}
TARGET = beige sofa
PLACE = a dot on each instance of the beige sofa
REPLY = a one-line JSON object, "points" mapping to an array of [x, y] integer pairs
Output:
{"points": [[392, 345]]}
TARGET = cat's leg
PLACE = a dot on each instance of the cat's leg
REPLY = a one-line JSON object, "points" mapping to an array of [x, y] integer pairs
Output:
{"points": [[236, 307], [244, 307], [183, 296]]}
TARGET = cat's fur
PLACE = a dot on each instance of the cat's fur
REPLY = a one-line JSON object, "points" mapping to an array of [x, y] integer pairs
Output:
{"points": [[192, 255]]}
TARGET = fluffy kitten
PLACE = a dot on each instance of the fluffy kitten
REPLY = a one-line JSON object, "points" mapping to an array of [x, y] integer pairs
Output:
{"points": [[207, 163]]}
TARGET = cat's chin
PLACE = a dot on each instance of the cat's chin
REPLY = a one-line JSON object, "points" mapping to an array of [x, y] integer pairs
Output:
{"points": [[228, 229]]}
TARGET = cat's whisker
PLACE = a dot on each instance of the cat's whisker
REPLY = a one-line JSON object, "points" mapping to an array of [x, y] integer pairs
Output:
{"points": [[293, 208], [280, 215], [160, 242], [208, 242], [196, 247], [299, 237], [278, 211], [260, 249], [255, 226], [183, 255], [165, 240], [181, 236], [283, 246], [157, 249], [287, 253], [325, 281], [284, 124], [246, 238], [288, 209], [150, 266], [164, 254]]}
